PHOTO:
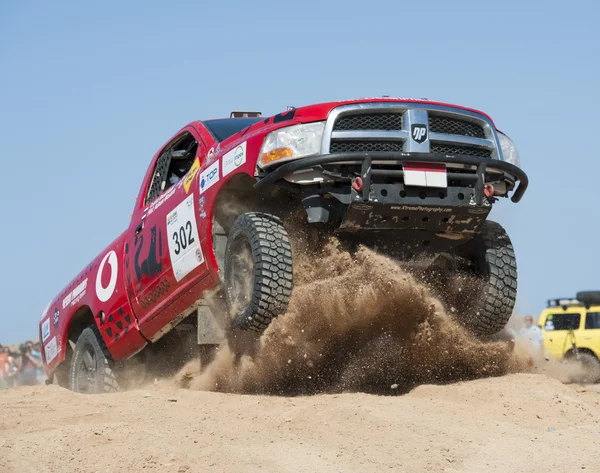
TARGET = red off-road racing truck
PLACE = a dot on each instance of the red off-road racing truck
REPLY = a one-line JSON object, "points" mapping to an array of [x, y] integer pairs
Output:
{"points": [[214, 209]]}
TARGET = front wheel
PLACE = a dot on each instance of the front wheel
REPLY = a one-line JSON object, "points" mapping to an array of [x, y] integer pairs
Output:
{"points": [[258, 271], [493, 256], [91, 367]]}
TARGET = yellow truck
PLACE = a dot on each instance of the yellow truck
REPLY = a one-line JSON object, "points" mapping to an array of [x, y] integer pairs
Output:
{"points": [[571, 330]]}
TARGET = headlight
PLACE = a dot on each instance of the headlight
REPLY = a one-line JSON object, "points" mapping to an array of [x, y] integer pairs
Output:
{"points": [[292, 142], [509, 150]]}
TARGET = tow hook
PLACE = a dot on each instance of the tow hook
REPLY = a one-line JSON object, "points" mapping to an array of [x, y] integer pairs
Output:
{"points": [[357, 184], [488, 190]]}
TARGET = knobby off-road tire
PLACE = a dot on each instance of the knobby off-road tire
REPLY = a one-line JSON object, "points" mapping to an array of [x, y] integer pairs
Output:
{"points": [[494, 255], [258, 271], [91, 368]]}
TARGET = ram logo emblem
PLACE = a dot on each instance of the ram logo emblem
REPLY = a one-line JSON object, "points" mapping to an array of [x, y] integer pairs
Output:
{"points": [[419, 133]]}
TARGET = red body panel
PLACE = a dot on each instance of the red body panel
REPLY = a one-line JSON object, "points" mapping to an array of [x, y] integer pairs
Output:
{"points": [[134, 288], [101, 288]]}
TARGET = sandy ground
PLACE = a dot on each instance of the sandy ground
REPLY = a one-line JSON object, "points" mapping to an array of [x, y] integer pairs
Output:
{"points": [[367, 371], [518, 422]]}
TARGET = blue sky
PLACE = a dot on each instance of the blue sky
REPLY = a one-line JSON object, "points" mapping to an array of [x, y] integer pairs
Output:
{"points": [[90, 90]]}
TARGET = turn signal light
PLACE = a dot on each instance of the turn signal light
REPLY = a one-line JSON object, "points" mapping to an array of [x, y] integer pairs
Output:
{"points": [[276, 155]]}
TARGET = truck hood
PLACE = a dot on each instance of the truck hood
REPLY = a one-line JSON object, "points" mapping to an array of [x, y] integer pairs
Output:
{"points": [[321, 111]]}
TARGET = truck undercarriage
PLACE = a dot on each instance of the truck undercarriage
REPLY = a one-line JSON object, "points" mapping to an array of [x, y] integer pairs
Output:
{"points": [[368, 192]]}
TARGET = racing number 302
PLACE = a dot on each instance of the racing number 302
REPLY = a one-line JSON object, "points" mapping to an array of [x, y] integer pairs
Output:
{"points": [[183, 237]]}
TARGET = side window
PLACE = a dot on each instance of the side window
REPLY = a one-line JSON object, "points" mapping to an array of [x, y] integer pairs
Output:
{"points": [[592, 320], [562, 321], [173, 163]]}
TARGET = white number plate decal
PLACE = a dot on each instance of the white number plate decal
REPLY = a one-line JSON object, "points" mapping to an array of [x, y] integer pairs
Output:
{"points": [[52, 349], [184, 244]]}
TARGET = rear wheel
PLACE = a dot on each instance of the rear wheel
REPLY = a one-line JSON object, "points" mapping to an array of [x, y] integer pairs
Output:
{"points": [[91, 367], [258, 271]]}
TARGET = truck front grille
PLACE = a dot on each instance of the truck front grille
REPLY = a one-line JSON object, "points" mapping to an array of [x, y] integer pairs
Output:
{"points": [[359, 146], [454, 126], [369, 121], [373, 127], [445, 148]]}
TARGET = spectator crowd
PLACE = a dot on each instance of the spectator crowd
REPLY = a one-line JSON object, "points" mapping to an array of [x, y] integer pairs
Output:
{"points": [[22, 368]]}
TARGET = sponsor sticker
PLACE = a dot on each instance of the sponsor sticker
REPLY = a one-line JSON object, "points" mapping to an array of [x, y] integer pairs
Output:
{"points": [[52, 349], [155, 294], [234, 159], [56, 317], [201, 210], [209, 176], [45, 330], [161, 199], [75, 295], [419, 208], [189, 177], [105, 293]]}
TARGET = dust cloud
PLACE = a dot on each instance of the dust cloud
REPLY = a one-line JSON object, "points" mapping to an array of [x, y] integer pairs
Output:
{"points": [[356, 322]]}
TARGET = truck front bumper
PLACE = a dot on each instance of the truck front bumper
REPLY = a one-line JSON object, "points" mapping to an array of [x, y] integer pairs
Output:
{"points": [[367, 172]]}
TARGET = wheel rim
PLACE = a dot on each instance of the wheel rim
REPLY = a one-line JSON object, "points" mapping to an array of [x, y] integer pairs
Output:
{"points": [[242, 276], [87, 370]]}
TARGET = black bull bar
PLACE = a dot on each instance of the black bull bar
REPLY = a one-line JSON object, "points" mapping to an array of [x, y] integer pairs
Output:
{"points": [[365, 160]]}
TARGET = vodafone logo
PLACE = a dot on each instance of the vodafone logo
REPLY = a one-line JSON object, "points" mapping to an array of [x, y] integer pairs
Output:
{"points": [[105, 293]]}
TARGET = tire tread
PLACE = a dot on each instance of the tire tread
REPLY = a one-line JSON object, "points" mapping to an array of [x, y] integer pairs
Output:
{"points": [[497, 301], [109, 383], [273, 269]]}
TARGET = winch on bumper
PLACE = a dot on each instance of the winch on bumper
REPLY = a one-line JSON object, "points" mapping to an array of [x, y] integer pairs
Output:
{"points": [[367, 190]]}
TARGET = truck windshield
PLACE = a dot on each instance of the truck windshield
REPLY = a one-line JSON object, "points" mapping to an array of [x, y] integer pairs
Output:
{"points": [[223, 128]]}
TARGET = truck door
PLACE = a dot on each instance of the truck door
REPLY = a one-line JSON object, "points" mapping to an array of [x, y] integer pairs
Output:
{"points": [[591, 335], [165, 265]]}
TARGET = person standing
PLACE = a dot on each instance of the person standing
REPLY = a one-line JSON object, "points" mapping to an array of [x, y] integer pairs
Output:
{"points": [[36, 352], [4, 367], [7, 367], [533, 334]]}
